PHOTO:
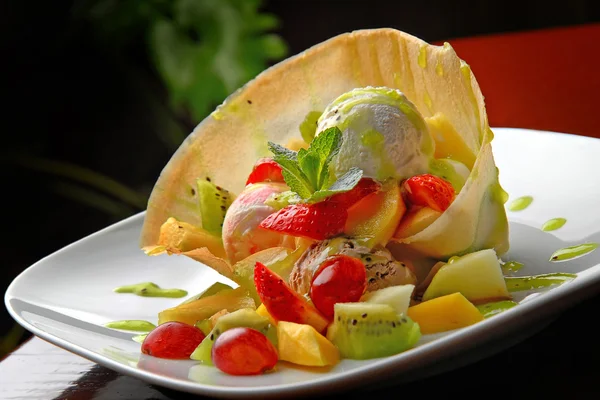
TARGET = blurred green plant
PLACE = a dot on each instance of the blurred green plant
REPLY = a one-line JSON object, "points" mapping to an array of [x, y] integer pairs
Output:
{"points": [[200, 51]]}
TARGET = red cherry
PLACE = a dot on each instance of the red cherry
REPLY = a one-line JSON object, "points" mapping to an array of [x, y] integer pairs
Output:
{"points": [[243, 351], [339, 279], [174, 340]]}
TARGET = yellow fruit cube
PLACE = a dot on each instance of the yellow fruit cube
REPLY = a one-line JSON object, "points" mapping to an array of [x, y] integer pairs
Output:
{"points": [[445, 313], [302, 344], [262, 310]]}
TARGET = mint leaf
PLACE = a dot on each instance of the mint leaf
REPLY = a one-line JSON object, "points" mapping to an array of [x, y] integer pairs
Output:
{"points": [[306, 172], [310, 164], [291, 171], [345, 183], [326, 145]]}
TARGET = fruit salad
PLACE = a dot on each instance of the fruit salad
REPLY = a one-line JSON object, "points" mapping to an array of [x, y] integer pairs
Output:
{"points": [[350, 198]]}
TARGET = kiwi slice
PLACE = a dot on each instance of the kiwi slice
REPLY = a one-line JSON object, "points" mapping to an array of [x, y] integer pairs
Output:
{"points": [[369, 330], [244, 317], [214, 202]]}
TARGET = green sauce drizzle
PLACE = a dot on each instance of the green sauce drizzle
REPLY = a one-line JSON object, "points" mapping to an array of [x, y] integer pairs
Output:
{"points": [[512, 266], [520, 204], [490, 309], [131, 325], [571, 252], [515, 284], [553, 224], [149, 289], [308, 127], [375, 141]]}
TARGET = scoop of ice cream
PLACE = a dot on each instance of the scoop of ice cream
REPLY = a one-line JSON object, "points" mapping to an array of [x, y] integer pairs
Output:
{"points": [[383, 134], [382, 269], [241, 233]]}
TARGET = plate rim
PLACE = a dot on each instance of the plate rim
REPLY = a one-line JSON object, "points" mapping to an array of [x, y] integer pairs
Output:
{"points": [[553, 302]]}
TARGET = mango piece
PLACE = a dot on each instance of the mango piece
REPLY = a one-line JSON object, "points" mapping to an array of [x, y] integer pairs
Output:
{"points": [[478, 276], [262, 310], [302, 344], [204, 308], [445, 313], [448, 142], [415, 221], [377, 215], [179, 237]]}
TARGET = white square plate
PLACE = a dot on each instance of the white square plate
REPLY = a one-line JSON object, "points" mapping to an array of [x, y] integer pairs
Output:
{"points": [[67, 297]]}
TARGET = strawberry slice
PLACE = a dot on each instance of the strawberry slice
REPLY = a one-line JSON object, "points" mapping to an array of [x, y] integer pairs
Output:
{"points": [[282, 302], [317, 221], [265, 170], [429, 191], [320, 220]]}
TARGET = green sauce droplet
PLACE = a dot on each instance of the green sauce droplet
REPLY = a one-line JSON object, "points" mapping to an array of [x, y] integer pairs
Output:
{"points": [[520, 204], [571, 252], [490, 309], [515, 284], [511, 266], [131, 325], [553, 224], [149, 289]]}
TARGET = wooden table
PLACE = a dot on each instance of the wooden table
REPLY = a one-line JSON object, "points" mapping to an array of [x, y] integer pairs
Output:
{"points": [[541, 80]]}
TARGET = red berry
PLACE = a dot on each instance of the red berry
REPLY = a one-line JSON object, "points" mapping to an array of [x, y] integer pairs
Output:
{"points": [[429, 191], [339, 279], [321, 220], [243, 351], [282, 302], [317, 221], [172, 340], [265, 170]]}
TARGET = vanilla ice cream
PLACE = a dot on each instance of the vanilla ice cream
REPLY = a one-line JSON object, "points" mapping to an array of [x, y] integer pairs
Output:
{"points": [[383, 134]]}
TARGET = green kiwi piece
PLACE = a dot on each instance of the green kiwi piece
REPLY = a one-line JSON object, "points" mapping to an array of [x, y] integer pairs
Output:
{"points": [[214, 202], [244, 317], [369, 330]]}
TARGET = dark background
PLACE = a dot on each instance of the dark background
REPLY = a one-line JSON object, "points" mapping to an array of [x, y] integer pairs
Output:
{"points": [[84, 91]]}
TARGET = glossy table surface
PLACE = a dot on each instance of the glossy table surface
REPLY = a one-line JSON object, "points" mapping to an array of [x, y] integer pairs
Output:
{"points": [[540, 80]]}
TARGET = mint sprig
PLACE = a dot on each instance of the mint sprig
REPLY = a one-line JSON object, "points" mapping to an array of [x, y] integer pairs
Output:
{"points": [[306, 171]]}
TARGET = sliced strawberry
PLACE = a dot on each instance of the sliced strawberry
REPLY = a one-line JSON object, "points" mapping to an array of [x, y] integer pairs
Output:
{"points": [[265, 170], [317, 221], [282, 302], [429, 190], [321, 220]]}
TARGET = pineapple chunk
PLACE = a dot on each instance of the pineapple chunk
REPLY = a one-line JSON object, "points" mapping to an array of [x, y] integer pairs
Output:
{"points": [[180, 237], [445, 313], [302, 344]]}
